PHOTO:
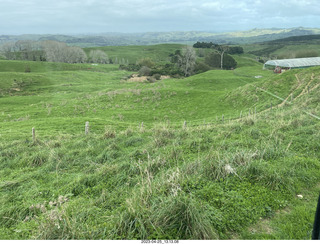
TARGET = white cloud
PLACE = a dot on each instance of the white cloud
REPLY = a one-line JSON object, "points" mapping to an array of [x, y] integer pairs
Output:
{"points": [[143, 15]]}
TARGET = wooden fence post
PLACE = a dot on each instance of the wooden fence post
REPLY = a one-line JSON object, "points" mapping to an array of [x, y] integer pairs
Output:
{"points": [[86, 129], [33, 134]]}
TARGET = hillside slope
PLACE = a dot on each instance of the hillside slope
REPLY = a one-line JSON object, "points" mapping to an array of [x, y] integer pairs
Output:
{"points": [[53, 96], [205, 180], [291, 47]]}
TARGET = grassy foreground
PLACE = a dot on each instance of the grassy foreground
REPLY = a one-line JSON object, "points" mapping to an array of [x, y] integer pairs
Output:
{"points": [[213, 179]]}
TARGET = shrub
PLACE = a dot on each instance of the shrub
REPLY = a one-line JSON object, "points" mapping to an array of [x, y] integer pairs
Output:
{"points": [[165, 69], [157, 76], [229, 62], [144, 71], [151, 79], [146, 62], [130, 67], [27, 69], [201, 67], [201, 53], [213, 60]]}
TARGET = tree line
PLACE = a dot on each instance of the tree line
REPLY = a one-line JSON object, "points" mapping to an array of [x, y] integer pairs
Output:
{"points": [[231, 49], [51, 51], [185, 62]]}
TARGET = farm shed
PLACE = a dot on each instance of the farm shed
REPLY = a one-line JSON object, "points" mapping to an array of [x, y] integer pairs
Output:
{"points": [[292, 63]]}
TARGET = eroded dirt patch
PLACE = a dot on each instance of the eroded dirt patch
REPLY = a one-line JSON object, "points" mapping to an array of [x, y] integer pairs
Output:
{"points": [[137, 78]]}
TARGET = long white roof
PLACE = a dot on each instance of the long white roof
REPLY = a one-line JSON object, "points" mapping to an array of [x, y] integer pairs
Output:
{"points": [[295, 62]]}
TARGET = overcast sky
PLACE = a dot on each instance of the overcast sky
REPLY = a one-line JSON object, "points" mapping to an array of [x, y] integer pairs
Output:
{"points": [[99, 16]]}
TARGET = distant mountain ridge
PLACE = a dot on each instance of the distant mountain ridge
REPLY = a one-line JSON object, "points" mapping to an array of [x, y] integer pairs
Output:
{"points": [[185, 37]]}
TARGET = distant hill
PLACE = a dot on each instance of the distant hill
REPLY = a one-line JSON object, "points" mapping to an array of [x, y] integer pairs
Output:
{"points": [[297, 39], [184, 37], [290, 47]]}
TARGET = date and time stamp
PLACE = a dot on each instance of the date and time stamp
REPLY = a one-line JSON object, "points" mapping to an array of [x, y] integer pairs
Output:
{"points": [[159, 241]]}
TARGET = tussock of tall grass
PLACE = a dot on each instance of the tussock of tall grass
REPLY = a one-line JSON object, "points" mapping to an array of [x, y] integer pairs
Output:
{"points": [[109, 132], [178, 216], [185, 214]]}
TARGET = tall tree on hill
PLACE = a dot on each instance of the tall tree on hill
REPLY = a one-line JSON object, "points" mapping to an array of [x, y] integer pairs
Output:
{"points": [[60, 52], [221, 50], [23, 49], [187, 60], [8, 50], [98, 56], [214, 60], [75, 55], [54, 51], [28, 49]]}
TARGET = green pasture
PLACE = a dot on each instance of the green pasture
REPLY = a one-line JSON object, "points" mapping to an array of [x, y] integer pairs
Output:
{"points": [[64, 99], [42, 67], [157, 53], [219, 176]]}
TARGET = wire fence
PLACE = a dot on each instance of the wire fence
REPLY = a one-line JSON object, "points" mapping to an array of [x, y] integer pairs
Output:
{"points": [[250, 113]]}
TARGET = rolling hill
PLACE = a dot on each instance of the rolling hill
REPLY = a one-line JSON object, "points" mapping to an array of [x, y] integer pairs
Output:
{"points": [[182, 37], [220, 155], [290, 47]]}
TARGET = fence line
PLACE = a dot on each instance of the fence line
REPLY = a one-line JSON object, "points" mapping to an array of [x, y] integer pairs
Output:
{"points": [[223, 119], [185, 124]]}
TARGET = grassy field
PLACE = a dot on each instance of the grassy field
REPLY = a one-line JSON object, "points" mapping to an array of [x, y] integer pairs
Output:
{"points": [[218, 177], [54, 100], [157, 53]]}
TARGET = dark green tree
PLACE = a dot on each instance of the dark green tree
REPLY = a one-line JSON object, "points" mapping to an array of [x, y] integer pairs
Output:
{"points": [[229, 62], [214, 60], [201, 67]]}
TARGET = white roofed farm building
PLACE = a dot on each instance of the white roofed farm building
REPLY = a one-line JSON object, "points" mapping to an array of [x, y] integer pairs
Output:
{"points": [[281, 65]]}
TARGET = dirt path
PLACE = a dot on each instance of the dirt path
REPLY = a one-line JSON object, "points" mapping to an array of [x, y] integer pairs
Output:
{"points": [[305, 90], [291, 94], [284, 101], [315, 87]]}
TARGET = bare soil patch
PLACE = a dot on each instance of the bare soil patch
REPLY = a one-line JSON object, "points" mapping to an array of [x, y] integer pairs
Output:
{"points": [[137, 78]]}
